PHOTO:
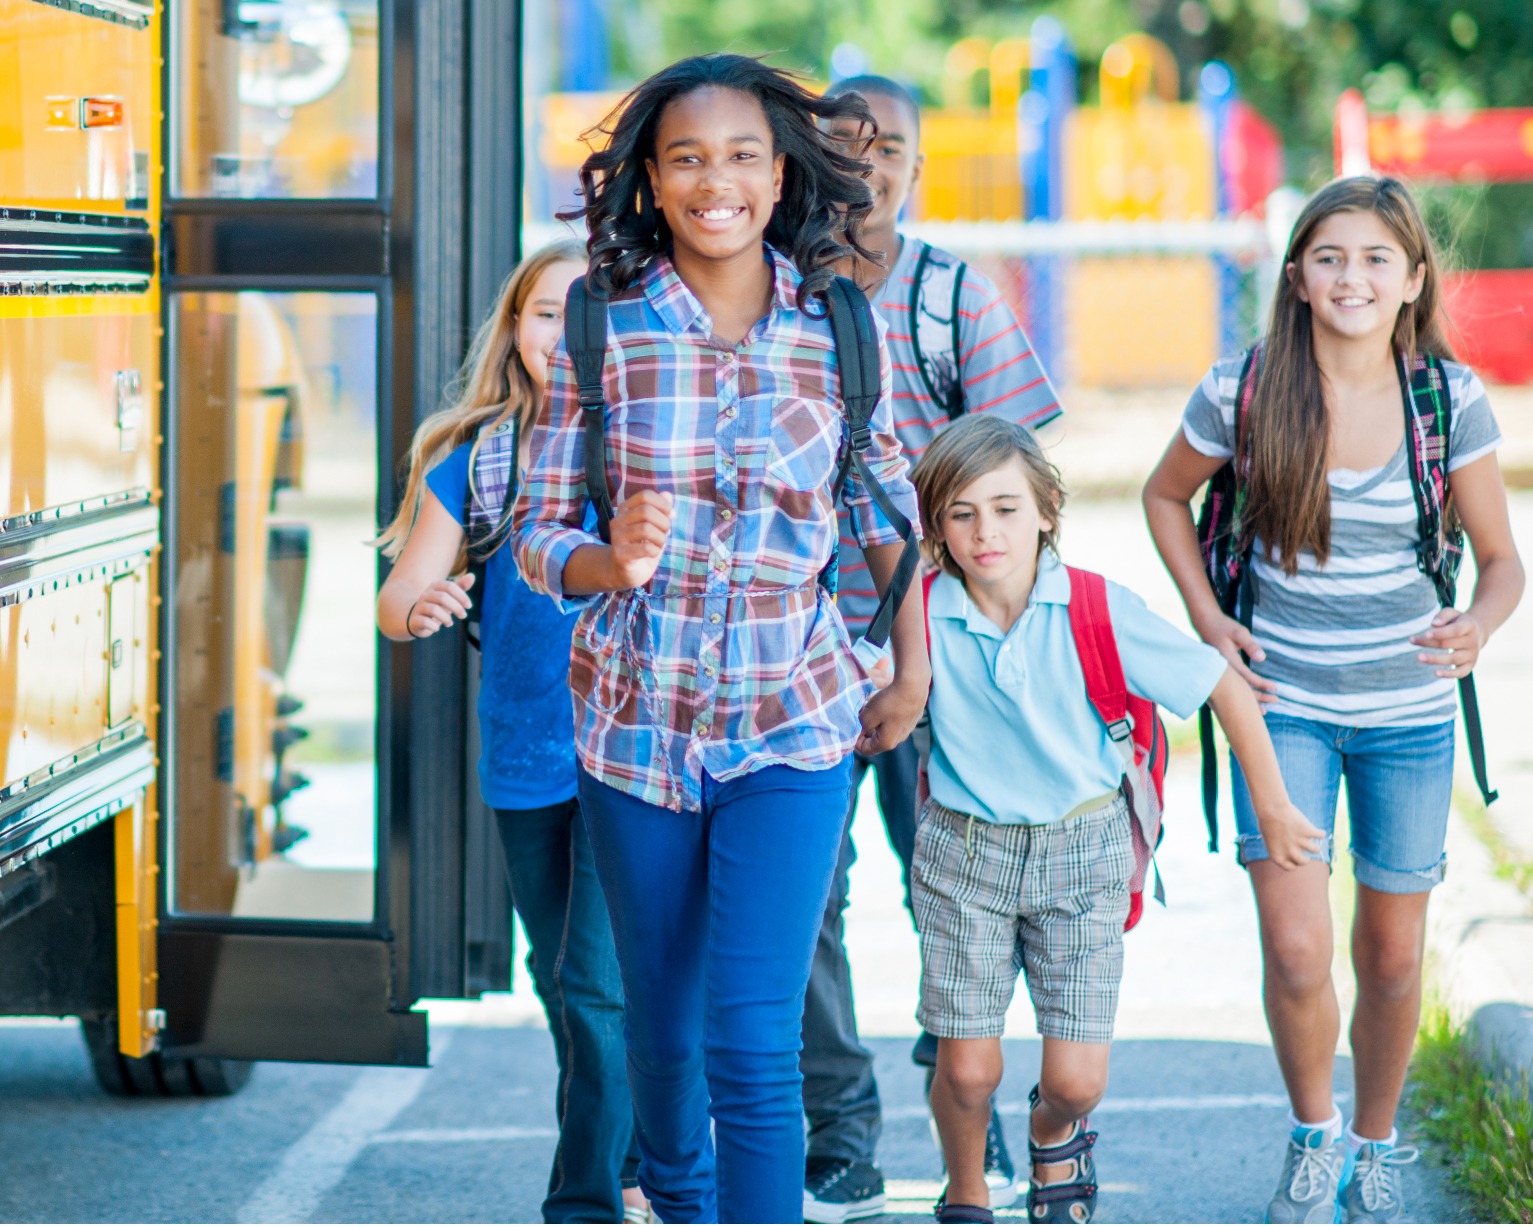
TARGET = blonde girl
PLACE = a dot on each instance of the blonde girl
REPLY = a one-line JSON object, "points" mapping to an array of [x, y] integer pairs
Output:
{"points": [[527, 769]]}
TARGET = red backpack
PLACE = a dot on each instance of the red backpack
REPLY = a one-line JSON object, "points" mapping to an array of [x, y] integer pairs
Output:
{"points": [[1132, 722]]}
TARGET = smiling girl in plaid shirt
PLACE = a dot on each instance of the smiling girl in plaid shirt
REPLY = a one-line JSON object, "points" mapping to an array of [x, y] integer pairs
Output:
{"points": [[717, 698]]}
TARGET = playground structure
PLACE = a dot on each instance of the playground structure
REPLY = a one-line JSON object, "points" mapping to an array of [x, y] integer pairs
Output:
{"points": [[1491, 309], [1106, 225]]}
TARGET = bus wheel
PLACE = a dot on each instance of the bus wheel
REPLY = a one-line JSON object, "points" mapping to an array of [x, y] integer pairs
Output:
{"points": [[156, 1075]]}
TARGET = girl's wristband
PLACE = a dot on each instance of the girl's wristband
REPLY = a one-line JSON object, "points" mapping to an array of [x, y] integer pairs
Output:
{"points": [[410, 615]]}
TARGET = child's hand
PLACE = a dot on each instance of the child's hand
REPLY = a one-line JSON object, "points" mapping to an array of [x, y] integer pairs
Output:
{"points": [[1455, 641], [1231, 639], [890, 715], [439, 605], [639, 529], [1291, 838]]}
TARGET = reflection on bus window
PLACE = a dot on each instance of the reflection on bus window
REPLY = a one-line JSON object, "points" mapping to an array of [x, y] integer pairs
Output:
{"points": [[278, 98], [272, 812]]}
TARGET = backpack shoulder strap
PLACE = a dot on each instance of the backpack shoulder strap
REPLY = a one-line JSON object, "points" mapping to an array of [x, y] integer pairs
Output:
{"points": [[856, 337], [585, 336], [950, 399], [857, 358], [1097, 647], [926, 605], [955, 405]]}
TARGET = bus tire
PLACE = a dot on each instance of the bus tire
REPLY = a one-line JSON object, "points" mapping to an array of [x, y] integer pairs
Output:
{"points": [[156, 1075]]}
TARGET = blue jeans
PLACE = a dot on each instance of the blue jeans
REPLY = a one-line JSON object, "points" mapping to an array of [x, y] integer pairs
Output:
{"points": [[1399, 787], [574, 971], [715, 914], [840, 1092]]}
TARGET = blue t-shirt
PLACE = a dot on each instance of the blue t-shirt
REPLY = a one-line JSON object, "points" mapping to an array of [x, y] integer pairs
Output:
{"points": [[526, 720]]}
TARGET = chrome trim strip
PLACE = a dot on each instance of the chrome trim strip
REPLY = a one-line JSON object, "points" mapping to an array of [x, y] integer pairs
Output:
{"points": [[132, 13], [42, 558], [57, 802]]}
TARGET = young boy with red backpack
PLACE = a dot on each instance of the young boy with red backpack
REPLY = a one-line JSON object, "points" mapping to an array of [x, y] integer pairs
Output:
{"points": [[1044, 807], [955, 348]]}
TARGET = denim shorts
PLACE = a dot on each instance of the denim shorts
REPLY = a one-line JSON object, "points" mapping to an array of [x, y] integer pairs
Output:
{"points": [[1399, 788]]}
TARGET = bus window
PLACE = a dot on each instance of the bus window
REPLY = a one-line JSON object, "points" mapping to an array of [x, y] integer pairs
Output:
{"points": [[273, 654], [276, 99]]}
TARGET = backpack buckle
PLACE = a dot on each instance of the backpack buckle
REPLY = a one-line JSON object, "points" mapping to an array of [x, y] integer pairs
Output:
{"points": [[592, 398], [861, 438], [1119, 730]]}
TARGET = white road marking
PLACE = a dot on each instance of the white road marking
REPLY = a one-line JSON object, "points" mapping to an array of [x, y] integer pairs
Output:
{"points": [[1156, 1103], [501, 1133], [317, 1161]]}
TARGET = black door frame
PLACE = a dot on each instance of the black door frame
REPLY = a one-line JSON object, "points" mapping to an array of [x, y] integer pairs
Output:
{"points": [[433, 246]]}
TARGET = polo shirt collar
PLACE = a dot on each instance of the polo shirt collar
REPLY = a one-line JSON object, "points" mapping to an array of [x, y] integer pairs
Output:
{"points": [[949, 599], [681, 312]]}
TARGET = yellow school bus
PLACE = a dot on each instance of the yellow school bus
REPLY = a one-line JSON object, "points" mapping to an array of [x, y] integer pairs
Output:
{"points": [[242, 246]]}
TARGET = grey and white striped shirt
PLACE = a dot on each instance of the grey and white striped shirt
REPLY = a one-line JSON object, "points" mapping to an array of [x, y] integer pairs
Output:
{"points": [[1337, 637]]}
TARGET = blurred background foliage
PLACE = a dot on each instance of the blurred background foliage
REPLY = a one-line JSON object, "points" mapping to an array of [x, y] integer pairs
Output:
{"points": [[1291, 59]]}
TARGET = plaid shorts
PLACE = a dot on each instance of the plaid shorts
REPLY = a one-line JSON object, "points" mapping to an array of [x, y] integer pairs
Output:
{"points": [[993, 900]]}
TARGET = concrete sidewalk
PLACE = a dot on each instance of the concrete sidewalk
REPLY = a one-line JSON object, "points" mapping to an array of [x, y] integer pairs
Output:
{"points": [[1481, 925]]}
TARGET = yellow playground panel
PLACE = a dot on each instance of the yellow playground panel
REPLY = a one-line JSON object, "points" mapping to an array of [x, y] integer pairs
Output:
{"points": [[1140, 155]]}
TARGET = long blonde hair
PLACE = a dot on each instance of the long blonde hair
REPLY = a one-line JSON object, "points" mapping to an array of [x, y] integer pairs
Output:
{"points": [[492, 385]]}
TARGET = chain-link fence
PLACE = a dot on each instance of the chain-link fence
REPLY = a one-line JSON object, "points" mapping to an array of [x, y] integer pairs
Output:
{"points": [[1125, 305]]}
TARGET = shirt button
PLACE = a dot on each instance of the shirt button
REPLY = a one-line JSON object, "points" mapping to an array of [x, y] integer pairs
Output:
{"points": [[729, 462], [714, 618], [702, 728], [727, 514], [709, 671], [729, 411]]}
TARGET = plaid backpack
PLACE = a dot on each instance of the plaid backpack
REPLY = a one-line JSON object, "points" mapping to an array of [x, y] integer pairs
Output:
{"points": [[857, 358], [1226, 542], [1132, 722]]}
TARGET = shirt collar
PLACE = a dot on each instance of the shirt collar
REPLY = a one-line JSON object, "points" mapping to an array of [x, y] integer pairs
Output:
{"points": [[949, 599], [679, 308]]}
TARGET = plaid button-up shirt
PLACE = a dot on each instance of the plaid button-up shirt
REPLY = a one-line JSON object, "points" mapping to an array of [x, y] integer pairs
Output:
{"points": [[733, 656]]}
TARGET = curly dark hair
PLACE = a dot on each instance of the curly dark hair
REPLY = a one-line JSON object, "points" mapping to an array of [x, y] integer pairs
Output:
{"points": [[824, 198]]}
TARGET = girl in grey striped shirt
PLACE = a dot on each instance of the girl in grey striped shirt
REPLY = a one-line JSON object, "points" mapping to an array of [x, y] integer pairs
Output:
{"points": [[1349, 650]]}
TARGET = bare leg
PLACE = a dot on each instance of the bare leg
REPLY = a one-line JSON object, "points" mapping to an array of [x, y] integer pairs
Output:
{"points": [[1294, 908], [1071, 1084], [968, 1072], [1388, 934]]}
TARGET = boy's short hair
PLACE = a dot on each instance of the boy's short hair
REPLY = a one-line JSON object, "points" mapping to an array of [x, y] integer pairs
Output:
{"points": [[976, 444], [883, 87]]}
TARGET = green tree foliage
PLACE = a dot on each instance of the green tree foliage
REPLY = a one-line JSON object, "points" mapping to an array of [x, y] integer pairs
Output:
{"points": [[1291, 58]]}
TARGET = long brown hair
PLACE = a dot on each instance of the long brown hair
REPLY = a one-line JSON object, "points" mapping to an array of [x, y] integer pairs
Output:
{"points": [[1287, 429], [492, 384]]}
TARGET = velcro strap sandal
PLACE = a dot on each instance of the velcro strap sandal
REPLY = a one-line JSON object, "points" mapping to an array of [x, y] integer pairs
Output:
{"points": [[945, 1212], [1073, 1199]]}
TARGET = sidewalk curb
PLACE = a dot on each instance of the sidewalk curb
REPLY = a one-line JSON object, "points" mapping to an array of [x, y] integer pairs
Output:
{"points": [[1480, 930]]}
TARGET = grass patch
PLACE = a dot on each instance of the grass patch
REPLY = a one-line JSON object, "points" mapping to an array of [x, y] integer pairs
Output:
{"points": [[1484, 1126], [1506, 861]]}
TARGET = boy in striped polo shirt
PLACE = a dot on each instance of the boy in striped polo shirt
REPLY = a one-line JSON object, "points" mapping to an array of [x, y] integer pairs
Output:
{"points": [[956, 348]]}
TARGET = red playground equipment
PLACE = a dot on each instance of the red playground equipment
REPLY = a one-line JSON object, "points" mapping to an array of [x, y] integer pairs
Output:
{"points": [[1491, 309]]}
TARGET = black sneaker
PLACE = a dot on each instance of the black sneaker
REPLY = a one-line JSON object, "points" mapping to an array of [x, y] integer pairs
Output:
{"points": [[840, 1191], [1000, 1171]]}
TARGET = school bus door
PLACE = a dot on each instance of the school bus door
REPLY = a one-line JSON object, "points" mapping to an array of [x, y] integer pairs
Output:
{"points": [[341, 201]]}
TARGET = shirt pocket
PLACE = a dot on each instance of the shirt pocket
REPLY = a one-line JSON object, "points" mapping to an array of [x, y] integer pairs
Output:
{"points": [[804, 446]]}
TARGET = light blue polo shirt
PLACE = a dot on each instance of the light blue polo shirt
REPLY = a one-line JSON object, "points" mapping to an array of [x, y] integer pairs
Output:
{"points": [[1014, 738]]}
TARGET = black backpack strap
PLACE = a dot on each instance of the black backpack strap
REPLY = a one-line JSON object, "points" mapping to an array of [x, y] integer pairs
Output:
{"points": [[585, 337], [1429, 431], [950, 399], [857, 356], [955, 404], [495, 530], [1227, 565]]}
